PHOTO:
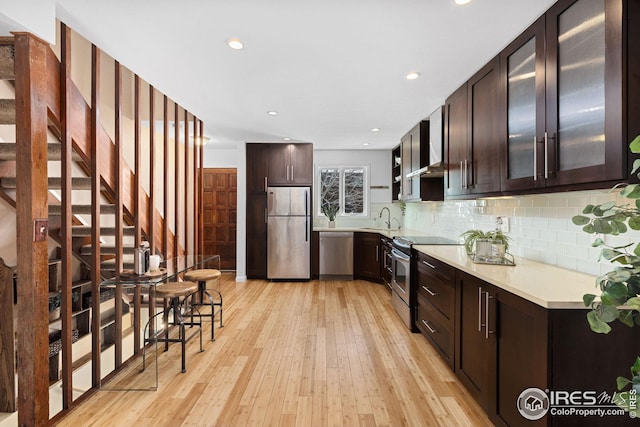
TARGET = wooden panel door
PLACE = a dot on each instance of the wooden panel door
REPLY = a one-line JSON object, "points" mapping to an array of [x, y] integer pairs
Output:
{"points": [[220, 215]]}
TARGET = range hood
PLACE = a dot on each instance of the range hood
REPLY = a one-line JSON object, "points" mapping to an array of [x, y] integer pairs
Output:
{"points": [[435, 168]]}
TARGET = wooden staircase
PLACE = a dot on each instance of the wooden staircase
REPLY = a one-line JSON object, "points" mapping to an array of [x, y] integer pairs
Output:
{"points": [[109, 212]]}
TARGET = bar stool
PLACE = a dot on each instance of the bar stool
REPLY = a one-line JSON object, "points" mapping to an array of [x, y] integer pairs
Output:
{"points": [[202, 277], [173, 291]]}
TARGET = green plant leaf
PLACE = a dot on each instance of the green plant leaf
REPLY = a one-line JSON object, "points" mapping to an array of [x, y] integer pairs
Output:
{"points": [[635, 368], [633, 286], [607, 206], [634, 223], [601, 226], [634, 146], [588, 229], [631, 191], [609, 254], [622, 227], [607, 313], [588, 209], [633, 303], [626, 317], [638, 204], [618, 290], [622, 382], [596, 324], [636, 166], [597, 242], [588, 299], [580, 220]]}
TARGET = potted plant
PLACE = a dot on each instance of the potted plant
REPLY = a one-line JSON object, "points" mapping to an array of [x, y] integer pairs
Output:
{"points": [[619, 297], [54, 306], [482, 243], [330, 211]]}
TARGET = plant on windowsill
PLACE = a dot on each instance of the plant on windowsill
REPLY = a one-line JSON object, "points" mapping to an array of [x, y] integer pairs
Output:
{"points": [[619, 297], [330, 211]]}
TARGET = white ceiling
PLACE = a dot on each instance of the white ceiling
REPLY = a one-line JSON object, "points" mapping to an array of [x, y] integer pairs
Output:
{"points": [[332, 69]]}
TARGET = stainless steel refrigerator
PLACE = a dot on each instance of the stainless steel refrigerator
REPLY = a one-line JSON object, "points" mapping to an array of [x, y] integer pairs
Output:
{"points": [[289, 233]]}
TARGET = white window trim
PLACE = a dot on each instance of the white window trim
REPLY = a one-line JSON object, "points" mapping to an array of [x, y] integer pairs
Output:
{"points": [[342, 168]]}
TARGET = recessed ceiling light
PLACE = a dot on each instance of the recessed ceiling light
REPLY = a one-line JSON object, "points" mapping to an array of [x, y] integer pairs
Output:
{"points": [[287, 138], [272, 113], [235, 44], [461, 2], [412, 75], [365, 143], [375, 130]]}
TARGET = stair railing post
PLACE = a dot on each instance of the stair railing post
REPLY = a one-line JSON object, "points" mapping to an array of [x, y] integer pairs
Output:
{"points": [[32, 229]]}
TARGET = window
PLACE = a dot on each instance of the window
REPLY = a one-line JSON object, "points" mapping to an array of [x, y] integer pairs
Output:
{"points": [[343, 188]]}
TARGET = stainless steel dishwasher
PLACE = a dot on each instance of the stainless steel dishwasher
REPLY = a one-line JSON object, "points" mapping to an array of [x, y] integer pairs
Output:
{"points": [[336, 255]]}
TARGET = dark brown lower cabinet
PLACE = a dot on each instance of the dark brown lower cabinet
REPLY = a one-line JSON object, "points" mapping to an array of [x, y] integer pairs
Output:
{"points": [[506, 344], [366, 256]]}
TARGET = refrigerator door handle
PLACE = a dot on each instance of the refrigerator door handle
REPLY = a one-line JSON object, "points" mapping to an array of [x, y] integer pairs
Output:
{"points": [[306, 202], [265, 216], [306, 228]]}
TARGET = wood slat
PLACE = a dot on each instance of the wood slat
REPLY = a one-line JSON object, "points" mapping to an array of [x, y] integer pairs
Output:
{"points": [[292, 354], [7, 341]]}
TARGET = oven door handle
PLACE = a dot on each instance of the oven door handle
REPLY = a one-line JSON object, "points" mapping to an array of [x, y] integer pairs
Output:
{"points": [[399, 255]]}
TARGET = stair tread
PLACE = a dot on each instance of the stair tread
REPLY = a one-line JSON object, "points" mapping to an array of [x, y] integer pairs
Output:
{"points": [[79, 183], [106, 249], [7, 62], [7, 111], [85, 230], [8, 149], [82, 209]]}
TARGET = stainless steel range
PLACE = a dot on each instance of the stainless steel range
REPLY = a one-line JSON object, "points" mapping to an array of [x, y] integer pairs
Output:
{"points": [[402, 295]]}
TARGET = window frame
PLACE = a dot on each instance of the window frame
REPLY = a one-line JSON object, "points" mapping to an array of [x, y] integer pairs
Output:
{"points": [[341, 169]]}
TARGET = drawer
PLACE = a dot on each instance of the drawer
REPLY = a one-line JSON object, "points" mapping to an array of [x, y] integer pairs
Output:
{"points": [[439, 293], [436, 328], [427, 264]]}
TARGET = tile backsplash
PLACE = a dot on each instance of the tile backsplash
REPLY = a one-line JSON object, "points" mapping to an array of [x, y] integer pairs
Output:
{"points": [[540, 225]]}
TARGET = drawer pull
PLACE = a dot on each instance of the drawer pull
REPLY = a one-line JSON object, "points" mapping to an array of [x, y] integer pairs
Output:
{"points": [[429, 291], [429, 327], [429, 265]]}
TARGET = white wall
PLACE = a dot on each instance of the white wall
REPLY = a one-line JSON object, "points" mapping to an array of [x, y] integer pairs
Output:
{"points": [[34, 16], [220, 158]]}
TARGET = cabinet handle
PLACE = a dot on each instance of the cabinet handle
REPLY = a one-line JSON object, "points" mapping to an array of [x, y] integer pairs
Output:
{"points": [[466, 173], [377, 254], [265, 216], [546, 156], [479, 309], [266, 184], [487, 297], [429, 265], [292, 178], [535, 158], [461, 175], [429, 291], [429, 327], [287, 171]]}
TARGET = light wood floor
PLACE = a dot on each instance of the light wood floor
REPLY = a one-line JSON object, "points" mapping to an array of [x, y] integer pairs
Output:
{"points": [[323, 353]]}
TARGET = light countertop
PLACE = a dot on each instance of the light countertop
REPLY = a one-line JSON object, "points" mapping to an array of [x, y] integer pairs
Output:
{"points": [[543, 284], [382, 231]]}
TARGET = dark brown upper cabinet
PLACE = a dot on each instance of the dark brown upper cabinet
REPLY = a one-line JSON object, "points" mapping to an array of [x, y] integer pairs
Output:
{"points": [[289, 164], [563, 84], [472, 135]]}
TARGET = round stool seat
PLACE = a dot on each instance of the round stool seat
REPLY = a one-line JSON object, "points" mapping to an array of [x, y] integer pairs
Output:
{"points": [[202, 274], [176, 289]]}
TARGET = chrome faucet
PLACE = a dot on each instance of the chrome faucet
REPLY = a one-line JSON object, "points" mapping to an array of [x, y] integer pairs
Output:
{"points": [[388, 221]]}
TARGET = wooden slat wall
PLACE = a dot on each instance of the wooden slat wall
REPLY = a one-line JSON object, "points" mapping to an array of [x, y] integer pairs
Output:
{"points": [[66, 218], [95, 215], [7, 341], [31, 204]]}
